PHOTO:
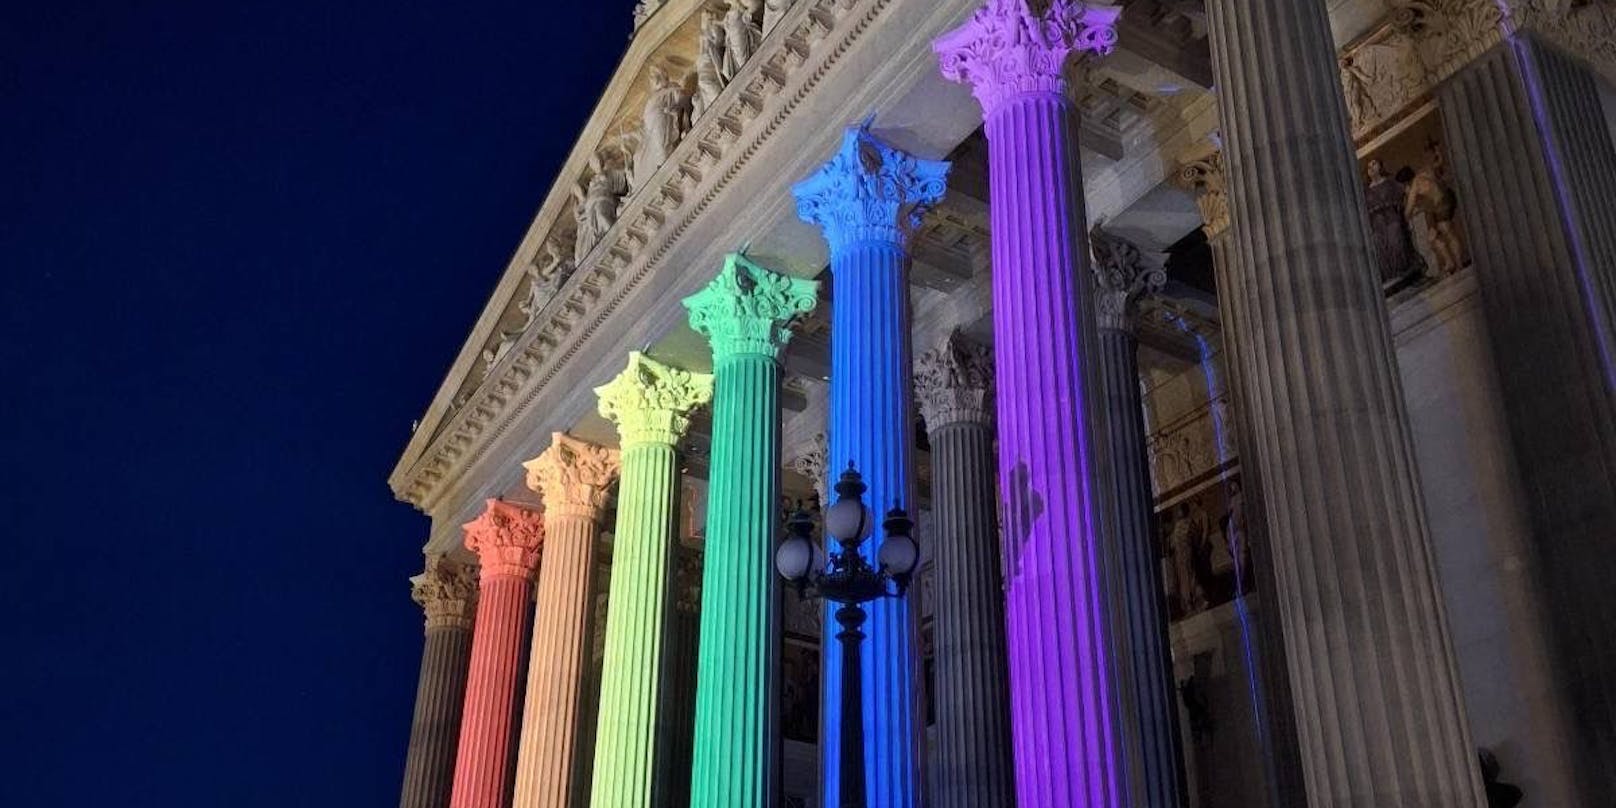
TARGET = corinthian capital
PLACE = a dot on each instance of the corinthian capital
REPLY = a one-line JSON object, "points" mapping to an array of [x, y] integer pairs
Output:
{"points": [[748, 309], [1122, 274], [809, 461], [954, 383], [870, 191], [447, 592], [1202, 176], [506, 539], [572, 476], [1018, 47], [651, 402]]}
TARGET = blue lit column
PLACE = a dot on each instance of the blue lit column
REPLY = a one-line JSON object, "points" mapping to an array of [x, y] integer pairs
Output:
{"points": [[868, 200]]}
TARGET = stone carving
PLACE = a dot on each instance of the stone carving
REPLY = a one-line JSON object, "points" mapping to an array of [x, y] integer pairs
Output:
{"points": [[1381, 77], [748, 309], [1122, 273], [1431, 198], [1450, 33], [1395, 255], [1189, 448], [549, 272], [741, 37], [506, 538], [773, 10], [1586, 28], [573, 476], [1009, 48], [664, 121], [709, 60], [1204, 178], [870, 191], [597, 199], [447, 592], [651, 402], [954, 383], [643, 11], [809, 461]]}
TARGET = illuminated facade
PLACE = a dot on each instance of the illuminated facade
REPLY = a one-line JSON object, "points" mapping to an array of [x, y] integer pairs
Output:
{"points": [[1250, 364]]}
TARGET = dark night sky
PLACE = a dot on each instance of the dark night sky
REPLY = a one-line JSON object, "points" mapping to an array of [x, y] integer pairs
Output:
{"points": [[240, 243]]}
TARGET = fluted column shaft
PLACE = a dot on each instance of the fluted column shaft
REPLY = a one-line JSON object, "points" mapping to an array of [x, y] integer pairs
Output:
{"points": [[447, 592], [552, 767], [736, 760], [1535, 169], [973, 769], [506, 538], [867, 200], [1379, 713], [650, 403]]}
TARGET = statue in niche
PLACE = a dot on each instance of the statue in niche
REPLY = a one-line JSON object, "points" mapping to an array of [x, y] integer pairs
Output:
{"points": [[596, 203], [1431, 198], [773, 10], [665, 120], [1183, 545], [709, 60], [1395, 255], [741, 35]]}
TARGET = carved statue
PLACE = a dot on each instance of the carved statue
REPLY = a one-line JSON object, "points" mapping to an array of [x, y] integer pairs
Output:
{"points": [[1395, 255], [596, 203], [773, 10], [550, 269], [741, 35], [709, 59], [665, 119], [1431, 196]]}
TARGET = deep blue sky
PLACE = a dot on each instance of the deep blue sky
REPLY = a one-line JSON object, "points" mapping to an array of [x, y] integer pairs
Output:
{"points": [[240, 242]]}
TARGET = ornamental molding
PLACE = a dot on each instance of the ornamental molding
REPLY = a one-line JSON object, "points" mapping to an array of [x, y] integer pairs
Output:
{"points": [[748, 309], [474, 409], [573, 476], [651, 402], [1012, 48], [1123, 274], [447, 592], [870, 191], [506, 539], [1450, 34], [954, 383]]}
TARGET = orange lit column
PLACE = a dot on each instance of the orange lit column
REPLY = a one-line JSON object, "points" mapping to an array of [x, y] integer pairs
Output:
{"points": [[552, 764], [506, 538]]}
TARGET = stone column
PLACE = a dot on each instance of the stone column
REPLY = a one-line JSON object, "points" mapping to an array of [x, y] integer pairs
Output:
{"points": [[447, 592], [1380, 719], [1535, 167], [954, 388], [552, 766], [744, 313], [651, 404], [1148, 720], [868, 199], [1052, 473], [506, 538]]}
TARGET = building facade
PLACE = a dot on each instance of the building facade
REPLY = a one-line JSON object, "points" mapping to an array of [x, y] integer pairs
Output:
{"points": [[1250, 365]]}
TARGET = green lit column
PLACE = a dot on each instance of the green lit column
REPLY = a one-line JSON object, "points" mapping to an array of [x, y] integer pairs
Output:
{"points": [[650, 403], [744, 313]]}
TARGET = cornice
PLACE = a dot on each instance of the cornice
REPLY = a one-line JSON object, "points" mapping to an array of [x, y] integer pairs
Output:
{"points": [[792, 61]]}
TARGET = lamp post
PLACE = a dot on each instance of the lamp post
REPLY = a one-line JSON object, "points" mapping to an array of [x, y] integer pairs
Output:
{"points": [[846, 578]]}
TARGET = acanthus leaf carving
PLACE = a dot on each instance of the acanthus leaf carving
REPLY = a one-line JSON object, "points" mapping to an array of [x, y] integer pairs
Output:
{"points": [[954, 383], [573, 476], [1009, 48], [651, 402], [1203, 176], [749, 309], [1122, 274], [447, 592], [506, 538], [870, 191]]}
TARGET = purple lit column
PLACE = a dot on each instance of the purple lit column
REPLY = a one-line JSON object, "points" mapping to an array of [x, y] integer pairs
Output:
{"points": [[1047, 355], [868, 200]]}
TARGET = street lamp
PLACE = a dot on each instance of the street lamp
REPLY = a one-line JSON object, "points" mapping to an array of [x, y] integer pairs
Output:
{"points": [[846, 578]]}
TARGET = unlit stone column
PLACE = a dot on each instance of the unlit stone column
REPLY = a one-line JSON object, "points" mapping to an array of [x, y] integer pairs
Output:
{"points": [[651, 404], [1380, 719], [506, 539], [1148, 720], [447, 592], [1052, 474], [572, 478], [954, 388], [744, 313]]}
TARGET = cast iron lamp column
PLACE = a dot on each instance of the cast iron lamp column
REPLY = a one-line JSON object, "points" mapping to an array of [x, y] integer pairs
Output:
{"points": [[846, 578]]}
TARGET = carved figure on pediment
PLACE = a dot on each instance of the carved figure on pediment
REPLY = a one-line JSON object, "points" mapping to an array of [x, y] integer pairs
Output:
{"points": [[1395, 256], [1431, 197], [550, 269], [644, 9], [664, 120], [1380, 78], [773, 10], [709, 60], [741, 37], [596, 202]]}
